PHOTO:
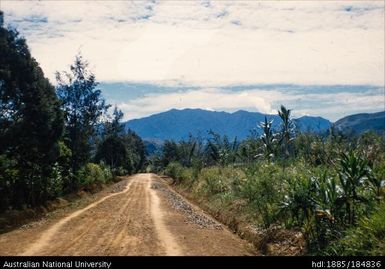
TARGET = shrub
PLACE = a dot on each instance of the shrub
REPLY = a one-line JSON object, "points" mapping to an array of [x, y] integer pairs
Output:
{"points": [[92, 173], [56, 182], [62, 168], [174, 170], [107, 172], [8, 175], [353, 173], [368, 238], [263, 189], [220, 179]]}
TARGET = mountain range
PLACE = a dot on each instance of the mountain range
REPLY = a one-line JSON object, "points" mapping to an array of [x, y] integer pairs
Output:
{"points": [[360, 123], [178, 124]]}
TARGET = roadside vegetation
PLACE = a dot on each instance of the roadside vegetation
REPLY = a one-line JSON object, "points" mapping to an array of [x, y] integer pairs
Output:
{"points": [[55, 140], [329, 187]]}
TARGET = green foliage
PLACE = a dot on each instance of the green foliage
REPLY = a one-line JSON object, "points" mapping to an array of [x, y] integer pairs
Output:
{"points": [[220, 150], [136, 151], [83, 106], [214, 180], [353, 172], [311, 202], [189, 153], [38, 161], [9, 174], [170, 153], [174, 170], [325, 185], [93, 173], [248, 148], [114, 127], [366, 239], [287, 129], [63, 167], [113, 152], [219, 180], [263, 188], [311, 148], [31, 124], [322, 198], [125, 154], [269, 141]]}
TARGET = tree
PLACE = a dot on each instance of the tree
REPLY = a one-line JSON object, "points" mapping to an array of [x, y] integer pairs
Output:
{"points": [[136, 151], [170, 152], [31, 122], [220, 150], [113, 152], [123, 151], [268, 139], [187, 150], [287, 129], [83, 106], [353, 172], [114, 127]]}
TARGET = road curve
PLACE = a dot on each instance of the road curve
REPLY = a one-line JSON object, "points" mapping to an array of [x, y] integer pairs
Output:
{"points": [[140, 220]]}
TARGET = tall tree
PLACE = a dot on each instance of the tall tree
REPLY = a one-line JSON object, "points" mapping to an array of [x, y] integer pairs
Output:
{"points": [[136, 151], [124, 153], [114, 127], [112, 150], [31, 121], [83, 106], [170, 152], [287, 128], [268, 139]]}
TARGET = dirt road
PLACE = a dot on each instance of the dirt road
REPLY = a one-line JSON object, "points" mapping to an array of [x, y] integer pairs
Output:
{"points": [[139, 216]]}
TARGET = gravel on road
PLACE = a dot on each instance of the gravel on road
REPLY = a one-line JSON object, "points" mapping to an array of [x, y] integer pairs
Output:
{"points": [[179, 204]]}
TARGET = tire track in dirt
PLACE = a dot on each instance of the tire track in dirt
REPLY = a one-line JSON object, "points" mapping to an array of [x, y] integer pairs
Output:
{"points": [[46, 237], [121, 236], [139, 220], [122, 226], [165, 236], [115, 226], [103, 228]]}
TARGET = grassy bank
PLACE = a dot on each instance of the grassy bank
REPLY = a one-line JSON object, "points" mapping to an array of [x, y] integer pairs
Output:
{"points": [[295, 209]]}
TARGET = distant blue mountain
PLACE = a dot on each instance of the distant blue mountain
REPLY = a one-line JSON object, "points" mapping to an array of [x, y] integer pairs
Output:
{"points": [[312, 124], [178, 124], [360, 123]]}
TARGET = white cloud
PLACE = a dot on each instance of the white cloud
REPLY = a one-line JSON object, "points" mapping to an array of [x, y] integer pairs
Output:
{"points": [[330, 105], [209, 43], [337, 105], [209, 99]]}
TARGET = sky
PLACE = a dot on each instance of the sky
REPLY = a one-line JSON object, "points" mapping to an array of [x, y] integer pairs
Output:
{"points": [[323, 58]]}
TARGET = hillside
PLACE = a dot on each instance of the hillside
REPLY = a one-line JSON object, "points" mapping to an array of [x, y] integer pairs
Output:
{"points": [[177, 124], [360, 123]]}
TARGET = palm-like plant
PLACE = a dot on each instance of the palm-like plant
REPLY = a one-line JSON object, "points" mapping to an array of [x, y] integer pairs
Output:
{"points": [[268, 139], [221, 150], [376, 179], [353, 172], [311, 204], [187, 150], [287, 128], [300, 201]]}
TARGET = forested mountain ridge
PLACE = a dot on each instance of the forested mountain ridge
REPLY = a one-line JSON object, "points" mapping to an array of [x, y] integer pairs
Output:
{"points": [[178, 124], [359, 123]]}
